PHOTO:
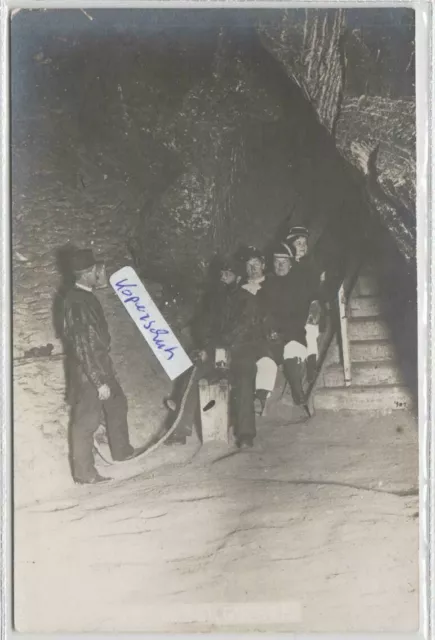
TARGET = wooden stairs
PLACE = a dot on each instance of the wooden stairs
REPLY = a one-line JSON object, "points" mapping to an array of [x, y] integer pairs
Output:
{"points": [[376, 380]]}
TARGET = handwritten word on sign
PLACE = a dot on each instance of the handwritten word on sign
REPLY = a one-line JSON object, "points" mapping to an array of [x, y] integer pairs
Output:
{"points": [[150, 322]]}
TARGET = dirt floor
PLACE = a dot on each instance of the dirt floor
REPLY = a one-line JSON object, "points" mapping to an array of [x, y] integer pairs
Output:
{"points": [[315, 529]]}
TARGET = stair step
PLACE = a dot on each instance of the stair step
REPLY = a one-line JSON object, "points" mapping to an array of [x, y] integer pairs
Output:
{"points": [[372, 350], [333, 354], [368, 270], [363, 351], [368, 328], [365, 306], [366, 285], [364, 374], [384, 398]]}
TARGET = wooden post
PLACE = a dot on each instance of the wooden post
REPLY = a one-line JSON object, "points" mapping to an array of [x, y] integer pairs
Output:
{"points": [[342, 304], [214, 407]]}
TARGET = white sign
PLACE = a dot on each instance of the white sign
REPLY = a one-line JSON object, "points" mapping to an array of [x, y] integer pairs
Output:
{"points": [[150, 322]]}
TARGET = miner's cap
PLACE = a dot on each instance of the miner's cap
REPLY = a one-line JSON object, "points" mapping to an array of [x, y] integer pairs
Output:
{"points": [[282, 250], [297, 232], [250, 253], [227, 264]]}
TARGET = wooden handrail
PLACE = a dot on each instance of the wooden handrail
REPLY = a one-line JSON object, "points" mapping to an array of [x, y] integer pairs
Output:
{"points": [[344, 335], [337, 323]]}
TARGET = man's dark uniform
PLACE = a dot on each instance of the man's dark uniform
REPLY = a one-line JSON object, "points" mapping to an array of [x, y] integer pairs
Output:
{"points": [[285, 302], [208, 330], [244, 338], [229, 318], [216, 314], [89, 367], [308, 274]]}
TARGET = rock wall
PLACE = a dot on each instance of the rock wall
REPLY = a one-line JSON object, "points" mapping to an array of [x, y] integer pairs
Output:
{"points": [[361, 82], [309, 45], [377, 135], [251, 151]]}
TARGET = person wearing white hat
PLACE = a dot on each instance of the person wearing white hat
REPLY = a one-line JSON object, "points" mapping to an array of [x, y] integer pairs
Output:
{"points": [[286, 297], [297, 240]]}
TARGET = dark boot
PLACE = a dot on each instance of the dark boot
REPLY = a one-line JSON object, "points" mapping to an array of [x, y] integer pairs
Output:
{"points": [[311, 368], [95, 479], [299, 414], [245, 443], [293, 371], [260, 401]]}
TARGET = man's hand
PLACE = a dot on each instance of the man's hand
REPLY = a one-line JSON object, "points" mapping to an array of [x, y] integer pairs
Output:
{"points": [[104, 392], [314, 313], [199, 355]]}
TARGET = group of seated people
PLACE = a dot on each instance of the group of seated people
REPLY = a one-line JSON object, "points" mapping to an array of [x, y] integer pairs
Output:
{"points": [[262, 312]]}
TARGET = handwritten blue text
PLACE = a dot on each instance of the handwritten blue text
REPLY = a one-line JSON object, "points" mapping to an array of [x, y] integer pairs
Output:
{"points": [[146, 319]]}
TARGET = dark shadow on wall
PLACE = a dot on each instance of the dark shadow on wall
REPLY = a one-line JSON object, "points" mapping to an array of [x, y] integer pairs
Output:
{"points": [[398, 285]]}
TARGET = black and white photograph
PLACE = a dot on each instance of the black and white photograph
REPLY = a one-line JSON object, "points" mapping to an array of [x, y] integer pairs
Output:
{"points": [[214, 309]]}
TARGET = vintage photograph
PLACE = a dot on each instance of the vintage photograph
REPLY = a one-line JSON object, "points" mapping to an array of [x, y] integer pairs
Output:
{"points": [[215, 375]]}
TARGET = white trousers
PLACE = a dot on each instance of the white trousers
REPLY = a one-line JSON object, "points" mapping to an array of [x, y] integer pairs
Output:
{"points": [[312, 335], [266, 374], [267, 369]]}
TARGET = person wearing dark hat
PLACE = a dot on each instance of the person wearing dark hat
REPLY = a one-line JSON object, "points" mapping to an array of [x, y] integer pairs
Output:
{"points": [[217, 304], [229, 275], [207, 328], [297, 240], [229, 319], [285, 299], [92, 383], [252, 266]]}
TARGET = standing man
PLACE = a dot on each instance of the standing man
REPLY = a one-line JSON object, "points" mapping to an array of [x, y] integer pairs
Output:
{"points": [[93, 386]]}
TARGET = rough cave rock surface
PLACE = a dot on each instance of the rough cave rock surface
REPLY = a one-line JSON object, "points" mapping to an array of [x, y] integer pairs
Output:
{"points": [[360, 79]]}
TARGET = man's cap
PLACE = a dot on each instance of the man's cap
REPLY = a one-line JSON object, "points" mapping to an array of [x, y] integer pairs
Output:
{"points": [[248, 253], [282, 250], [82, 259], [227, 264], [297, 232]]}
